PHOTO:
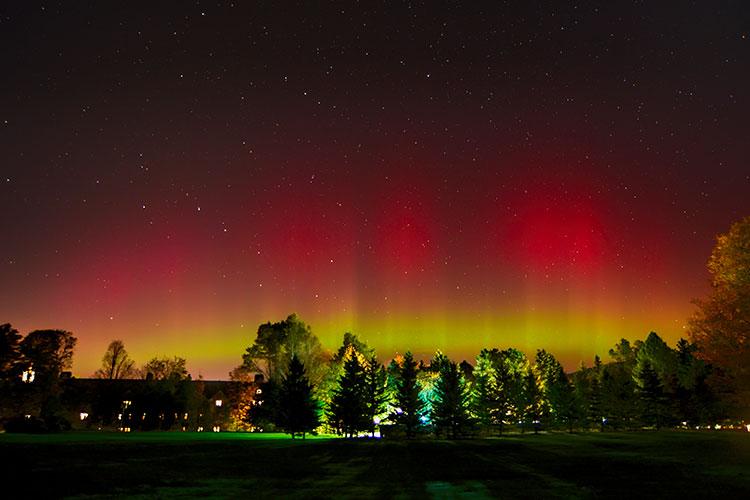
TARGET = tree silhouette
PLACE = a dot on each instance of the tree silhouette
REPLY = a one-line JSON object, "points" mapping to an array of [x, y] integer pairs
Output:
{"points": [[348, 411], [116, 364], [651, 395], [50, 352], [298, 411], [10, 354], [165, 368], [450, 410], [276, 343], [409, 405]]}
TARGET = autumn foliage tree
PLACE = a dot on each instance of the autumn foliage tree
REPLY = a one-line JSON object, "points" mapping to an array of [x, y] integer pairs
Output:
{"points": [[721, 325]]}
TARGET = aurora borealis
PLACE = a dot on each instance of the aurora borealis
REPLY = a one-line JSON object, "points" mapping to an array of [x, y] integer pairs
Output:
{"points": [[428, 177]]}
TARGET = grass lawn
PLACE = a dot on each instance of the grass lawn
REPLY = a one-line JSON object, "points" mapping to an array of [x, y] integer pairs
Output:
{"points": [[627, 465]]}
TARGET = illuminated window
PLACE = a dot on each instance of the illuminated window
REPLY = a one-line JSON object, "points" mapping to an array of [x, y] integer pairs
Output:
{"points": [[84, 415], [28, 376], [218, 402]]}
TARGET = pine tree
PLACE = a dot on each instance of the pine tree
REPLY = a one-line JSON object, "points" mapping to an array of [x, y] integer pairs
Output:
{"points": [[376, 392], [298, 409], [348, 412], [510, 368], [594, 410], [450, 412], [651, 394], [410, 405], [532, 409], [484, 393]]}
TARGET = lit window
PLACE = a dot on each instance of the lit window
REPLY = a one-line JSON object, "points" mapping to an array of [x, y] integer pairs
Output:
{"points": [[218, 402], [28, 375], [84, 415]]}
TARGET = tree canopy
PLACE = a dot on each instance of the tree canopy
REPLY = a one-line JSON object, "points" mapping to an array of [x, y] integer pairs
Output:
{"points": [[721, 325], [275, 345], [116, 363]]}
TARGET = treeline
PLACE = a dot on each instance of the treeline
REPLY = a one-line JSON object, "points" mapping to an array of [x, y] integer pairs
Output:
{"points": [[646, 384], [38, 393]]}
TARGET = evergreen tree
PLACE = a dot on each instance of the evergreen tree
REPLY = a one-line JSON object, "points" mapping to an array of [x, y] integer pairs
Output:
{"points": [[298, 409], [532, 399], [348, 410], [594, 407], [10, 355], [651, 395], [450, 411], [264, 409], [376, 392], [409, 405], [484, 393], [510, 368]]}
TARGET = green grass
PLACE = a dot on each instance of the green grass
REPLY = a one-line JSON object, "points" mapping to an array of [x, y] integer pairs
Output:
{"points": [[626, 465]]}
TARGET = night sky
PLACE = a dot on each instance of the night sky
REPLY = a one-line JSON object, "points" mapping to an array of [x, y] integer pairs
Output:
{"points": [[429, 175]]}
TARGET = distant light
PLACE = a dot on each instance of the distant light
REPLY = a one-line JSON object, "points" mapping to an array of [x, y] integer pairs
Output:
{"points": [[126, 403], [28, 376], [717, 427], [200, 428], [259, 391], [747, 426], [399, 411], [218, 402], [216, 428], [376, 421], [424, 419], [84, 415]]}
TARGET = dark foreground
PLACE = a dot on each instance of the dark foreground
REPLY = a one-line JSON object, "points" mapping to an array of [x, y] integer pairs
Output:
{"points": [[627, 465]]}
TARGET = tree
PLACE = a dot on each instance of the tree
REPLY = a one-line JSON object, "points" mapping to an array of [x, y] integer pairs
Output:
{"points": [[409, 405], [298, 411], [651, 393], [594, 412], [450, 410], [165, 368], [721, 325], [116, 364], [10, 354], [49, 352], [532, 398], [276, 343], [559, 403], [347, 411], [484, 394], [350, 345], [376, 392], [510, 370]]}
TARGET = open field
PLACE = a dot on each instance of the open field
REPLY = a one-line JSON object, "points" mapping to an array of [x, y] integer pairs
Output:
{"points": [[632, 465]]}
